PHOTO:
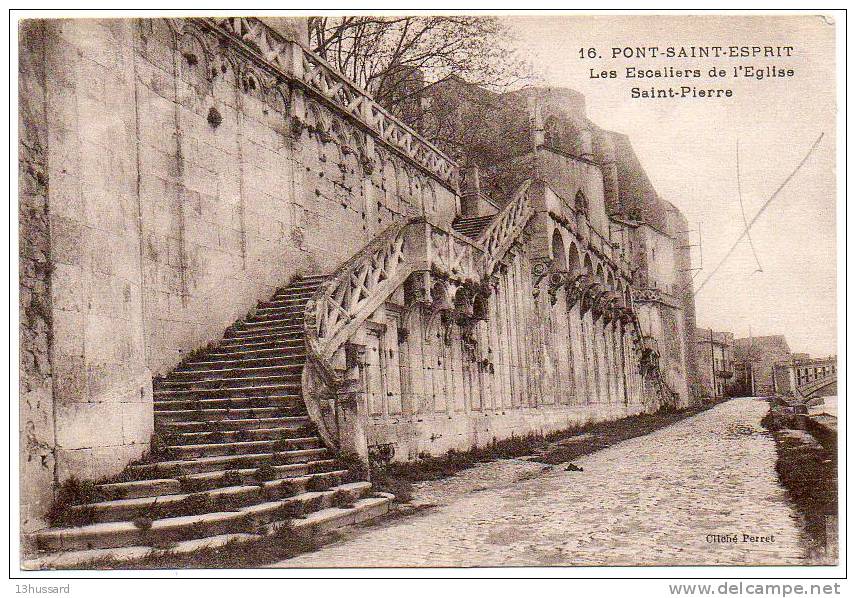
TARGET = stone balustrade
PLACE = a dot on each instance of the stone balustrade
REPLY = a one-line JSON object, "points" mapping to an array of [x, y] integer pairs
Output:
{"points": [[290, 60]]}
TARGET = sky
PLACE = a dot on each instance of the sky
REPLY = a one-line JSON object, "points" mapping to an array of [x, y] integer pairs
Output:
{"points": [[688, 148]]}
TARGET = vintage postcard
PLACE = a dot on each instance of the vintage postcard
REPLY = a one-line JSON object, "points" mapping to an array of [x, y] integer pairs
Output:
{"points": [[427, 290]]}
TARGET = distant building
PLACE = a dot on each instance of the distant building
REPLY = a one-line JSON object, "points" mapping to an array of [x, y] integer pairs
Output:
{"points": [[715, 358], [794, 374], [754, 359]]}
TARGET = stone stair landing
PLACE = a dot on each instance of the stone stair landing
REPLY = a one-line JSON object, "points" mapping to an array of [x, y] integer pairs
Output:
{"points": [[235, 451]]}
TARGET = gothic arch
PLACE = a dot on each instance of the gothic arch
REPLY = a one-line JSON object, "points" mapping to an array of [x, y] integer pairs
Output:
{"points": [[480, 307], [461, 299], [573, 258], [195, 67], [557, 251], [588, 266], [157, 42]]}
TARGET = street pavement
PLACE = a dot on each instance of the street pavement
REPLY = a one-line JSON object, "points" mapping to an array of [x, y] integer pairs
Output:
{"points": [[703, 491]]}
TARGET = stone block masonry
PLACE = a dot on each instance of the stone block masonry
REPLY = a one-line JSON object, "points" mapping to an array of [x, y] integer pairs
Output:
{"points": [[35, 305], [175, 173], [164, 193]]}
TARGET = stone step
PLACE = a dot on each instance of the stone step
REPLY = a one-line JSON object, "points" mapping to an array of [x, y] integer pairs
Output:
{"points": [[285, 347], [139, 488], [254, 336], [297, 408], [243, 447], [302, 294], [215, 415], [225, 498], [192, 404], [269, 319], [314, 524], [220, 478], [125, 533], [286, 365], [293, 389], [301, 285], [250, 330], [242, 435], [225, 425], [235, 383], [266, 314], [267, 357], [264, 340], [288, 304], [181, 467], [272, 319], [209, 480]]}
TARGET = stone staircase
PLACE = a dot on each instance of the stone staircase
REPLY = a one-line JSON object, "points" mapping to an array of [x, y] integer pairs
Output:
{"points": [[234, 454], [472, 227]]}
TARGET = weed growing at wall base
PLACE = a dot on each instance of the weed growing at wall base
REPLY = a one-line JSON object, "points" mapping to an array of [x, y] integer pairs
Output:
{"points": [[552, 449]]}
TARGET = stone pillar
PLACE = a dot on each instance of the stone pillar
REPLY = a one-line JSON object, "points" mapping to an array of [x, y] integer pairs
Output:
{"points": [[352, 411], [608, 362], [589, 340], [576, 354], [102, 384]]}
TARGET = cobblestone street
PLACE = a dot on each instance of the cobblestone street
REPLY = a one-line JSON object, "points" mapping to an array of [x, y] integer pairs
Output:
{"points": [[652, 500]]}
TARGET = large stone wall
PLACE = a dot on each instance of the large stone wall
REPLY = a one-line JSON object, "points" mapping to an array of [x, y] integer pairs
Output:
{"points": [[102, 386], [184, 188], [35, 330]]}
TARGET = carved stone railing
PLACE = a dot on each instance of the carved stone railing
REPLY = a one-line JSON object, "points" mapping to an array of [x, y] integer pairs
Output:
{"points": [[335, 312], [293, 61], [506, 227], [360, 286], [454, 256]]}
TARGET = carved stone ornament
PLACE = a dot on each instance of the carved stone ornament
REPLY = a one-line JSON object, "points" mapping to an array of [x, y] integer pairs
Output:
{"points": [[557, 280], [590, 292], [368, 164], [539, 271], [574, 288]]}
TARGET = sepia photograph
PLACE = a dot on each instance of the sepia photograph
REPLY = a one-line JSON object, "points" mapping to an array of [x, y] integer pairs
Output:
{"points": [[412, 289]]}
